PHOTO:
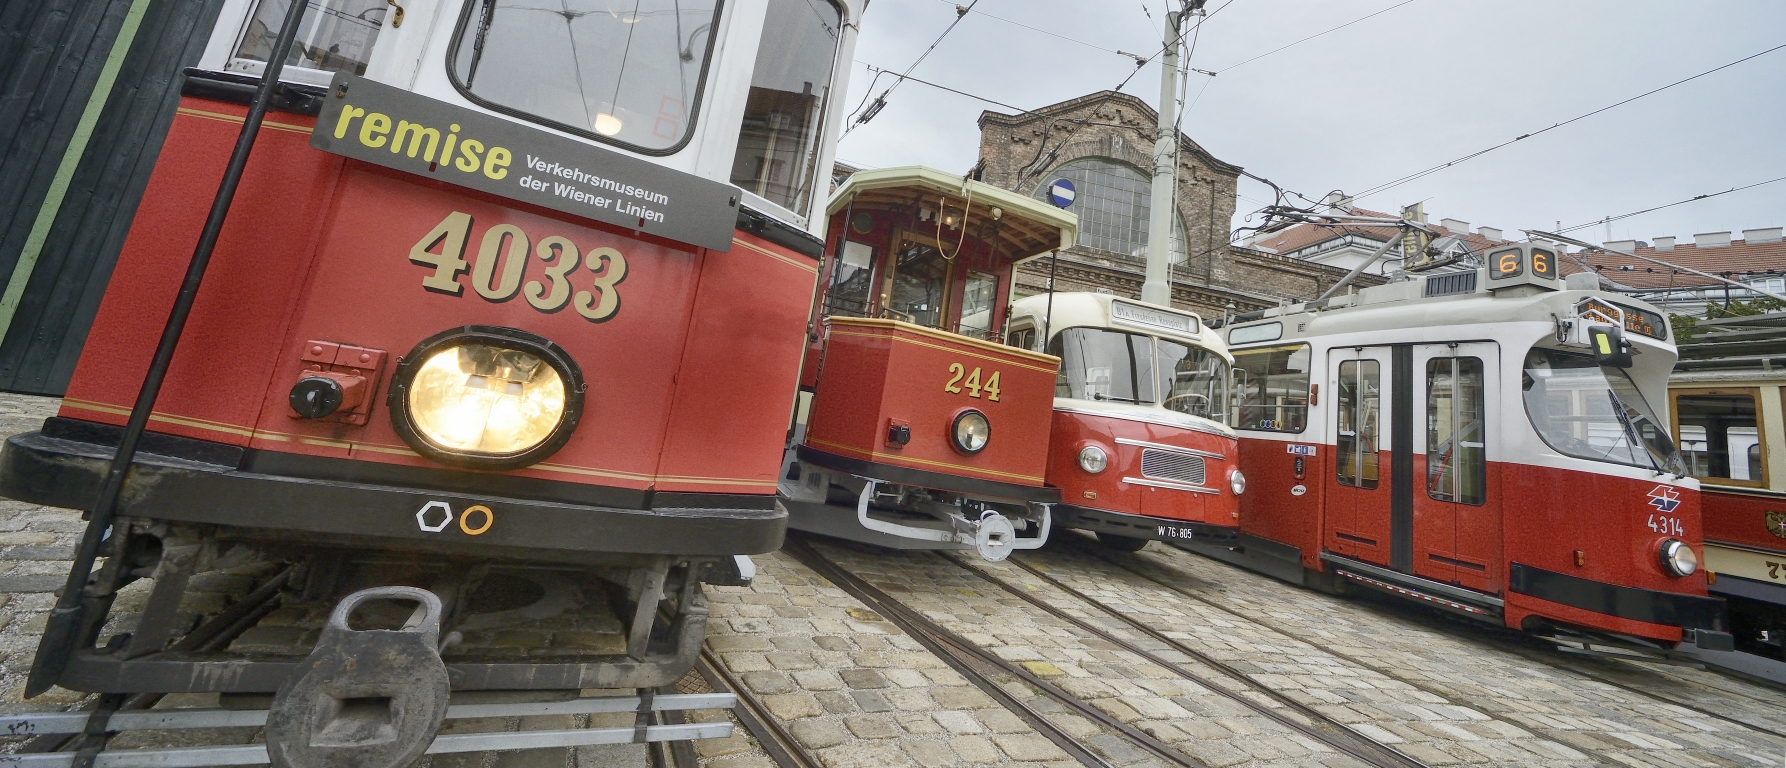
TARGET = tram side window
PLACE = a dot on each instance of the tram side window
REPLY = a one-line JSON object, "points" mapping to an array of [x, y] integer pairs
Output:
{"points": [[1096, 364], [1271, 388], [1456, 468], [1023, 338], [1195, 380], [336, 35], [622, 71], [850, 281], [1359, 401], [1719, 435], [778, 148], [978, 299]]}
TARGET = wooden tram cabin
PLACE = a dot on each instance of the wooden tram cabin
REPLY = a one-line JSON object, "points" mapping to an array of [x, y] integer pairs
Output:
{"points": [[1140, 446], [500, 284], [917, 427], [1489, 442]]}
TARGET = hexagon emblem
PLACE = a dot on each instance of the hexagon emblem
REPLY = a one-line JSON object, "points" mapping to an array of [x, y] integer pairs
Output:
{"points": [[446, 516]]}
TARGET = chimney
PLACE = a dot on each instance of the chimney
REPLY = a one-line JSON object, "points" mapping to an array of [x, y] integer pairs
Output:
{"points": [[1456, 227], [1762, 235], [1711, 239], [1665, 243], [1489, 232], [1625, 246]]}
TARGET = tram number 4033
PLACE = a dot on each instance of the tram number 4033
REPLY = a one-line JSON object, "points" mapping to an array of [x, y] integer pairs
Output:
{"points": [[496, 274], [972, 384], [1667, 526]]}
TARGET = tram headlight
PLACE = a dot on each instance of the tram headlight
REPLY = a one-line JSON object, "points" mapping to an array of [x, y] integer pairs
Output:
{"points": [[1678, 558], [486, 397], [970, 432], [1093, 459], [1236, 482]]}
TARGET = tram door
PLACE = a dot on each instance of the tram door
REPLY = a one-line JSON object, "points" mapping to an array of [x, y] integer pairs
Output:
{"points": [[1357, 501], [1456, 524]]}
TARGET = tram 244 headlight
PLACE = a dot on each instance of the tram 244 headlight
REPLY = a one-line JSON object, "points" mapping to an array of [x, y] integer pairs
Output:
{"points": [[1678, 558], [971, 432], [487, 398]]}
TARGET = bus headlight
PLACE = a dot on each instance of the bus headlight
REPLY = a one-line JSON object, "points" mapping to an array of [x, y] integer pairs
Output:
{"points": [[486, 397], [971, 431], [1678, 558], [1236, 482], [1093, 459]]}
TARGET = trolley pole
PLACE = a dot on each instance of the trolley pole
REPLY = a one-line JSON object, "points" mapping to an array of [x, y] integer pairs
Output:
{"points": [[1161, 209]]}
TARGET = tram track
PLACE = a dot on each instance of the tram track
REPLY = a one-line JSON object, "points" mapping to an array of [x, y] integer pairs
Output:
{"points": [[1320, 727], [1509, 646], [981, 667]]}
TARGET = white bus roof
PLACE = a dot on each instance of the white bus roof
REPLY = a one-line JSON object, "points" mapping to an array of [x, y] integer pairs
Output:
{"points": [[1102, 310]]}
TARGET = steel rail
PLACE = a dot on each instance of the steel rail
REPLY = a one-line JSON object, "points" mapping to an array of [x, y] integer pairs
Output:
{"points": [[1332, 732], [754, 715], [962, 655]]}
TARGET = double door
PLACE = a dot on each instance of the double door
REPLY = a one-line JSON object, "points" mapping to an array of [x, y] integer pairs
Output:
{"points": [[1408, 482]]}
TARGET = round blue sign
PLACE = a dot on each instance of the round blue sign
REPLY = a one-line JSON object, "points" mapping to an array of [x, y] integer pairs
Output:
{"points": [[1061, 193]]}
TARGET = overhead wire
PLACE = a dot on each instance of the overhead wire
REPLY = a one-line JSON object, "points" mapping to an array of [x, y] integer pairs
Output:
{"points": [[1313, 36], [1695, 198], [1175, 41], [1380, 188], [1058, 35], [961, 12]]}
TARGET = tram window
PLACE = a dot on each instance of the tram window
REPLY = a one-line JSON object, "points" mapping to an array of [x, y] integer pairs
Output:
{"points": [[778, 148], [1023, 338], [851, 278], [1271, 388], [1195, 380], [1718, 434], [336, 36], [1456, 469], [622, 71], [1359, 401], [1584, 410], [920, 281], [1096, 364], [978, 299]]}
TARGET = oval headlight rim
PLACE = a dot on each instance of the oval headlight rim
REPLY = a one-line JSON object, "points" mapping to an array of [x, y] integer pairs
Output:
{"points": [[955, 431], [397, 400], [1102, 460], [1671, 551], [1236, 482]]}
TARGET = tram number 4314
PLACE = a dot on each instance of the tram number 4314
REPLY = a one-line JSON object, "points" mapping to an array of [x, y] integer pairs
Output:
{"points": [[1667, 526], [503, 258], [972, 383]]}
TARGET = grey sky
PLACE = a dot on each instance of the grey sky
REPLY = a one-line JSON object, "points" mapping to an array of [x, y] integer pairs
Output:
{"points": [[1414, 87]]}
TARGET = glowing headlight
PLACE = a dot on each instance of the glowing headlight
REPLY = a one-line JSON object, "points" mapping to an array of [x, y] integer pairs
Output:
{"points": [[486, 397], [971, 431], [1678, 558], [1236, 482], [1092, 459]]}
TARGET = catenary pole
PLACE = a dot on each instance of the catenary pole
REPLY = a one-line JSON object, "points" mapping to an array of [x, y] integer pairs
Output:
{"points": [[1161, 208]]}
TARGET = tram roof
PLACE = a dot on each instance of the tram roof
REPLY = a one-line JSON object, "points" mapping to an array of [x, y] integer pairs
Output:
{"points": [[1026, 228]]}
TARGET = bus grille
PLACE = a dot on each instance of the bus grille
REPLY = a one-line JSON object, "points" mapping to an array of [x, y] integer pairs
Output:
{"points": [[1165, 465]]}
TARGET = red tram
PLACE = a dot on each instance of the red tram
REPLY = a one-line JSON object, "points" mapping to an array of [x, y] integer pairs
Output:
{"points": [[1140, 448], [1488, 442], [501, 284], [916, 428]]}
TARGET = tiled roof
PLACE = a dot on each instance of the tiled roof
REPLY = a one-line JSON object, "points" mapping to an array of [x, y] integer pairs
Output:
{"points": [[1734, 261], [1304, 235]]}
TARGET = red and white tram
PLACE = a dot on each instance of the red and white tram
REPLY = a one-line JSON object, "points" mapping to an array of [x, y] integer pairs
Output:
{"points": [[916, 428], [1140, 448], [500, 284], [1491, 442]]}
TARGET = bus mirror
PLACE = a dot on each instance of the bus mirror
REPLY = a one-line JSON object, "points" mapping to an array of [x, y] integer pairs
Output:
{"points": [[1609, 345]]}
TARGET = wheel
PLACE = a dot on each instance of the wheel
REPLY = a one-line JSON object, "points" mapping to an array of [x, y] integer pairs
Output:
{"points": [[1120, 543]]}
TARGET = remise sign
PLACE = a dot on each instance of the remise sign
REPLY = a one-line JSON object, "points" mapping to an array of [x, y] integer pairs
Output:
{"points": [[397, 129]]}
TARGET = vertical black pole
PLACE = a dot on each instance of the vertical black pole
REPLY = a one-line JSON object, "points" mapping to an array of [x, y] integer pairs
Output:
{"points": [[59, 634], [1048, 319]]}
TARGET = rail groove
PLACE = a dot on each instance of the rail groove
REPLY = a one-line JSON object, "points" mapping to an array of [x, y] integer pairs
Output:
{"points": [[1324, 729], [754, 716], [972, 662]]}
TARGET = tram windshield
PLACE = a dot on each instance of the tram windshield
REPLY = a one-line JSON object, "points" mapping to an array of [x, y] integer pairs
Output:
{"points": [[1590, 411], [1100, 364]]}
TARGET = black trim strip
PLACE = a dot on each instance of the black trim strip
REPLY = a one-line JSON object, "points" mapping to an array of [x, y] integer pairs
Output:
{"points": [[1144, 527], [779, 232], [926, 479], [1636, 604], [1749, 589], [1456, 563], [239, 89], [1401, 458], [1359, 539]]}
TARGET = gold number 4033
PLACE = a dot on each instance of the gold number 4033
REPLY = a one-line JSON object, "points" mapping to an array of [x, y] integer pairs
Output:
{"points": [[973, 383], [502, 261]]}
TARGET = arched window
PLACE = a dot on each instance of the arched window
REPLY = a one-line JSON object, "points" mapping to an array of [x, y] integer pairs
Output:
{"points": [[1111, 200]]}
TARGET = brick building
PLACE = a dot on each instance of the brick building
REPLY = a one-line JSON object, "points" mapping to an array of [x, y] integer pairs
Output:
{"points": [[1103, 143]]}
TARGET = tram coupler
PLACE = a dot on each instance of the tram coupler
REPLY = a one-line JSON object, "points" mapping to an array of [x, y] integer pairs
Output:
{"points": [[992, 534], [364, 698]]}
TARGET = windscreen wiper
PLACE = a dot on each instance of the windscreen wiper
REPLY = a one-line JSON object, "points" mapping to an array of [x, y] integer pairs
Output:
{"points": [[1618, 409], [477, 48]]}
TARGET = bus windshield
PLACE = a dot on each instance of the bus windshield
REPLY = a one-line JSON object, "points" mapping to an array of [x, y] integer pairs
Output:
{"points": [[1100, 364], [1590, 411]]}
